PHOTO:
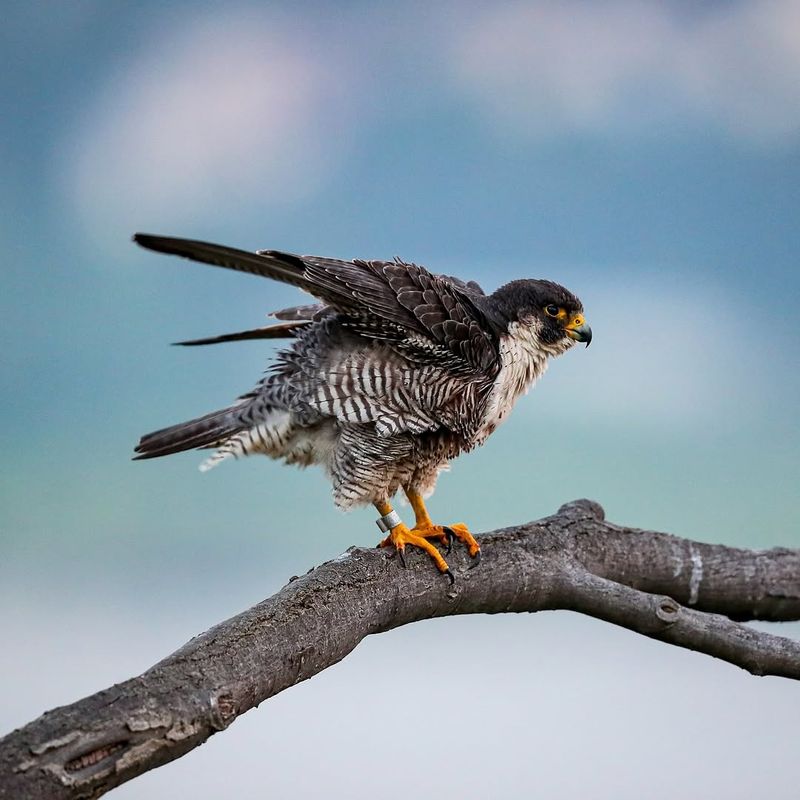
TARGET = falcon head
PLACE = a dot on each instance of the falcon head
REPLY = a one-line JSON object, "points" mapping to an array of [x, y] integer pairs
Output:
{"points": [[549, 316]]}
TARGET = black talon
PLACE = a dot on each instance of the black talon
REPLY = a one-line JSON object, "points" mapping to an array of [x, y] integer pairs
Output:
{"points": [[448, 532], [451, 576], [476, 560], [402, 558]]}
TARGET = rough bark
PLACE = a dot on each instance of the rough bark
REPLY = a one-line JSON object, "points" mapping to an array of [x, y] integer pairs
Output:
{"points": [[682, 592]]}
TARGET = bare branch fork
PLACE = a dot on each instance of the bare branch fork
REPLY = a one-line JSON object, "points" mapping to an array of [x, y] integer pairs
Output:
{"points": [[656, 584]]}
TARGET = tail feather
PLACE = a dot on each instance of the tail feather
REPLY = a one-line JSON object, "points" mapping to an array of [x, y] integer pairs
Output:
{"points": [[200, 432], [285, 267], [282, 330]]}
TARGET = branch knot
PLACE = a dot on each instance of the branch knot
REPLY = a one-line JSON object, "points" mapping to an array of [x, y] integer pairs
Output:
{"points": [[667, 610]]}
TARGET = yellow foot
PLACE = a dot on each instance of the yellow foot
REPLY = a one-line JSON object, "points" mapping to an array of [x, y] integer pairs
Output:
{"points": [[447, 533], [401, 536]]}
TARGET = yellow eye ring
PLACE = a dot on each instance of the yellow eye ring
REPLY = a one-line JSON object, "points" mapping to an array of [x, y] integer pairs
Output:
{"points": [[551, 310]]}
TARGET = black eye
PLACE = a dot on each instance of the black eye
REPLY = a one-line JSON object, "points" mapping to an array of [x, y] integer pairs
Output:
{"points": [[551, 310]]}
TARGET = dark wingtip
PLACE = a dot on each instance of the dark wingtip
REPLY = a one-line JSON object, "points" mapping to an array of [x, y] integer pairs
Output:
{"points": [[140, 453], [148, 240], [161, 244], [196, 342], [283, 330]]}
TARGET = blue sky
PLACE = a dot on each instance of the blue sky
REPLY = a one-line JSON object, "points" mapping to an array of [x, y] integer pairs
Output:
{"points": [[646, 155]]}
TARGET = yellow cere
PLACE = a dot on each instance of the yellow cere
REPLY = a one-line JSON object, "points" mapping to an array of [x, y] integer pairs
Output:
{"points": [[576, 321]]}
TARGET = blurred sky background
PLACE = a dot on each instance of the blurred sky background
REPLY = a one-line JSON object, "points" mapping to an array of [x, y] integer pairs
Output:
{"points": [[646, 155]]}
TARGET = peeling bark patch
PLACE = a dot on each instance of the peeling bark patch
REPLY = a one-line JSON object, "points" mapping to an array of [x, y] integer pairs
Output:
{"points": [[53, 744], [94, 756], [182, 730], [226, 706], [223, 711], [678, 556], [697, 575], [148, 722], [140, 754]]}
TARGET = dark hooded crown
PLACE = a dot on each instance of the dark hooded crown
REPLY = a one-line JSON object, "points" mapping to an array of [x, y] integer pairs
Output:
{"points": [[524, 299]]}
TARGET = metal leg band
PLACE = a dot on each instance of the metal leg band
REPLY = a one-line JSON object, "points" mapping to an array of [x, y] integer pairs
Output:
{"points": [[388, 521]]}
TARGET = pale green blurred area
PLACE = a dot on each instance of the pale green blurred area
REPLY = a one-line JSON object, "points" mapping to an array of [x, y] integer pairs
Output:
{"points": [[681, 416]]}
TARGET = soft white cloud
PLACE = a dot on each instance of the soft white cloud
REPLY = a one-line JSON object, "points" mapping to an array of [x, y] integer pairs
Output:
{"points": [[543, 68], [222, 112]]}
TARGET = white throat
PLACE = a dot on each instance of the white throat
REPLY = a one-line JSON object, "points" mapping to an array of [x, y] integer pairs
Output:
{"points": [[523, 360]]}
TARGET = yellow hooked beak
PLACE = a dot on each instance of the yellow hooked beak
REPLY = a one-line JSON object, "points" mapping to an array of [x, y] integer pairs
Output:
{"points": [[578, 330]]}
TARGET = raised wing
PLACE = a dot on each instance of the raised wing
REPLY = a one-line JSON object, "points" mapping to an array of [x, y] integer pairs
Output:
{"points": [[427, 316]]}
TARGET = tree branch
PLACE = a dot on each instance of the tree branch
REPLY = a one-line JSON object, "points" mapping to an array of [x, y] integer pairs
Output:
{"points": [[572, 560], [660, 617]]}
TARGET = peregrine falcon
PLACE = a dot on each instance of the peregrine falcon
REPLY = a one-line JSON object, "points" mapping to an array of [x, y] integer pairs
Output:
{"points": [[390, 375]]}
